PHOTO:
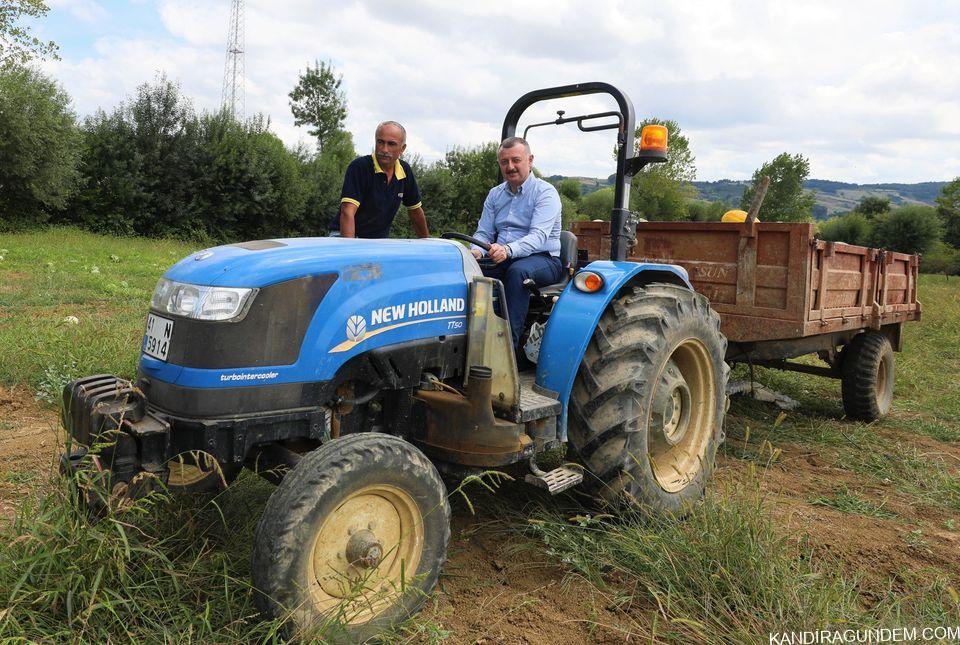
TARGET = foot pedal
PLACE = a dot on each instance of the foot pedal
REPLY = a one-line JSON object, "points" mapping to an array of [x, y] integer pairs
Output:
{"points": [[558, 479]]}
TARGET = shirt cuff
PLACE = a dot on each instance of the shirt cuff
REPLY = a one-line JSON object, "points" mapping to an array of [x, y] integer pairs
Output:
{"points": [[349, 200], [513, 249], [415, 206]]}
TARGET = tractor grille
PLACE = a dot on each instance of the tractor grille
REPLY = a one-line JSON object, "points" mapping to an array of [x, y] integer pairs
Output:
{"points": [[270, 334]]}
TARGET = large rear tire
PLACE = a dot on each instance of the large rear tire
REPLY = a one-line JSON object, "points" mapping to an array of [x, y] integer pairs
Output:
{"points": [[353, 539], [867, 376], [647, 406]]}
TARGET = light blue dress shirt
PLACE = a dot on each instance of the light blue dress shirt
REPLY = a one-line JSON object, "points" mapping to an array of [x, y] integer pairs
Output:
{"points": [[527, 221]]}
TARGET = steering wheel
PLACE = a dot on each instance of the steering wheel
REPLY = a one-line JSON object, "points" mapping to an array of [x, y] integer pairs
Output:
{"points": [[485, 262], [450, 235]]}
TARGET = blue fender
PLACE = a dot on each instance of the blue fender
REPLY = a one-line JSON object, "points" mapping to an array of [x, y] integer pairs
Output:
{"points": [[575, 316]]}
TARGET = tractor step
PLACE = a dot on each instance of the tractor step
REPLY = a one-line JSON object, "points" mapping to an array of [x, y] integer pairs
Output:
{"points": [[533, 404], [558, 479]]}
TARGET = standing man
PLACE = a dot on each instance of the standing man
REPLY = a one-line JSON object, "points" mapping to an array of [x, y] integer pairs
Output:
{"points": [[374, 186], [521, 221]]}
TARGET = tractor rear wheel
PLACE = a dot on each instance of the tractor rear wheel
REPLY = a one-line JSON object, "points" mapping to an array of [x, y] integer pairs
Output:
{"points": [[647, 406], [867, 376], [353, 539]]}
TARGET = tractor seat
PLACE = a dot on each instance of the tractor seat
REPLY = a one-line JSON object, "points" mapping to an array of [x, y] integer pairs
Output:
{"points": [[568, 258]]}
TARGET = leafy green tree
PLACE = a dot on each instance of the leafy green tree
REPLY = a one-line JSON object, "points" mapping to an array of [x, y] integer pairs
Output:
{"points": [[17, 45], [941, 258], [871, 206], [786, 200], [39, 147], [948, 207], [910, 229], [324, 179], [317, 101], [661, 191], [152, 167], [598, 204], [141, 166], [704, 211], [570, 188], [568, 212], [251, 186], [852, 228]]}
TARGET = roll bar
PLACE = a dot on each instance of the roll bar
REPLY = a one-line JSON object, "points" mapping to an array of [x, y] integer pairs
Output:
{"points": [[623, 227]]}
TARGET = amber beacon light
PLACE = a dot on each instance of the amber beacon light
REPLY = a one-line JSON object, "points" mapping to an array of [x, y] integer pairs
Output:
{"points": [[653, 138]]}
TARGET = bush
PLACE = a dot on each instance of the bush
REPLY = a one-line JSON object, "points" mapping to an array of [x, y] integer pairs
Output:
{"points": [[154, 168], [941, 258], [598, 204], [39, 148], [908, 229], [570, 188], [703, 211], [852, 228]]}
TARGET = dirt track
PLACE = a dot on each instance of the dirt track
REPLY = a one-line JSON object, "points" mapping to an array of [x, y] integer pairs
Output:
{"points": [[499, 589]]}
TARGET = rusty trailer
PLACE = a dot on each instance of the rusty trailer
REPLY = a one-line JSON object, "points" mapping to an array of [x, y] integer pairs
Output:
{"points": [[781, 293]]}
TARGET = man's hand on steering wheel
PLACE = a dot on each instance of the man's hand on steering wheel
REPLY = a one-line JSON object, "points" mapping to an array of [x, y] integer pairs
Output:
{"points": [[498, 253], [477, 253]]}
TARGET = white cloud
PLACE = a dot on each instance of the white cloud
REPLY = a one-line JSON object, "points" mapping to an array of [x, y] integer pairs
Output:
{"points": [[867, 91], [87, 11]]}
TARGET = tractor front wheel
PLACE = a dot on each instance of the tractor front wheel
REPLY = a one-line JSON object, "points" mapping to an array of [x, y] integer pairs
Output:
{"points": [[647, 406], [353, 539]]}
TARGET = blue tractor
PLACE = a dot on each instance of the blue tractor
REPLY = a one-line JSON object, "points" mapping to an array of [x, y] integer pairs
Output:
{"points": [[353, 372]]}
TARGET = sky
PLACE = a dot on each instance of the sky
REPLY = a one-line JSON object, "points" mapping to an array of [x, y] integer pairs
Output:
{"points": [[869, 92]]}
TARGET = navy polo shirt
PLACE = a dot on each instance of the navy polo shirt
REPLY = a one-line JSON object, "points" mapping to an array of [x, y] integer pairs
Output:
{"points": [[365, 184]]}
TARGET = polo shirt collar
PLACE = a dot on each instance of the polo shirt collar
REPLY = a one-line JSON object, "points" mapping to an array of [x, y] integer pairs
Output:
{"points": [[397, 168]]}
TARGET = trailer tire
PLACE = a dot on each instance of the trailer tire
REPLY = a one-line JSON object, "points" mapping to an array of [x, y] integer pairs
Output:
{"points": [[867, 376], [347, 510], [647, 405]]}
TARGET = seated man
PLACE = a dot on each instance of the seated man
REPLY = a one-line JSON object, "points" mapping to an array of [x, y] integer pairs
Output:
{"points": [[521, 221]]}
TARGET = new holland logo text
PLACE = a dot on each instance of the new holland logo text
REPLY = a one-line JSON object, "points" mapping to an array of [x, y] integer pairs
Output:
{"points": [[415, 308], [414, 312]]}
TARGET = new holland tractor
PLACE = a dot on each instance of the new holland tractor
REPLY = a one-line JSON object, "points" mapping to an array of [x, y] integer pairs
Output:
{"points": [[354, 372]]}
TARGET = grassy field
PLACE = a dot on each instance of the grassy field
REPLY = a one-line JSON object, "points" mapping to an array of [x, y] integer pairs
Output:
{"points": [[814, 522]]}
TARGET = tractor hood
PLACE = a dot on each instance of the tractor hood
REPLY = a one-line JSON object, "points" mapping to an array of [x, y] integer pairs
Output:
{"points": [[265, 262]]}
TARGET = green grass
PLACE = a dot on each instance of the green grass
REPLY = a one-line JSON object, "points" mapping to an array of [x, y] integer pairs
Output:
{"points": [[104, 283], [847, 501], [173, 569]]}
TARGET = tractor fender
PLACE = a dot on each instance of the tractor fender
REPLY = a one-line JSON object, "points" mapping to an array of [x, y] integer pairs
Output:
{"points": [[575, 316]]}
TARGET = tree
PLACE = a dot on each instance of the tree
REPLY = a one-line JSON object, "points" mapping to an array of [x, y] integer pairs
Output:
{"points": [[705, 211], [39, 147], [570, 188], [17, 45], [871, 206], [786, 200], [948, 208], [324, 173], [852, 228], [909, 229], [661, 191], [598, 204], [317, 101]]}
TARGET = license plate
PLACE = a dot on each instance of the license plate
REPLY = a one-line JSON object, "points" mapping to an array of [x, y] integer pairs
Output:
{"points": [[156, 342]]}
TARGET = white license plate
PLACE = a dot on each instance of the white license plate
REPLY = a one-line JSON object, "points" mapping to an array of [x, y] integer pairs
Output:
{"points": [[156, 342]]}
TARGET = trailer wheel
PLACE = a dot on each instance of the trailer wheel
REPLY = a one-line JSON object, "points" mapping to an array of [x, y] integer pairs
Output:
{"points": [[867, 376], [647, 406], [353, 539]]}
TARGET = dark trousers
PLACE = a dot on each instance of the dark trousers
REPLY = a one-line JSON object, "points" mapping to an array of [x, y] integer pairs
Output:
{"points": [[543, 268]]}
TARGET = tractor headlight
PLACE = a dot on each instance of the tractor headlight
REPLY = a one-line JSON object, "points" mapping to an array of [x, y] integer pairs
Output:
{"points": [[200, 302]]}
